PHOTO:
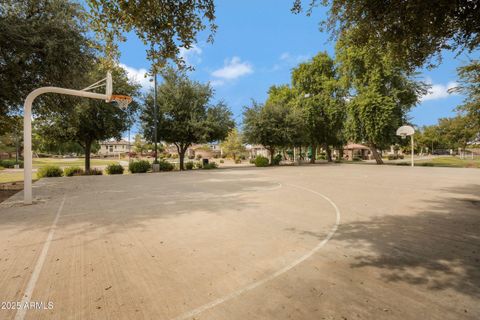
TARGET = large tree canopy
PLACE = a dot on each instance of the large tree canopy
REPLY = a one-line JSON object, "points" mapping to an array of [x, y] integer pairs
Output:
{"points": [[322, 102], [42, 43], [165, 26], [273, 125], [469, 85], [409, 31], [381, 94], [186, 114]]}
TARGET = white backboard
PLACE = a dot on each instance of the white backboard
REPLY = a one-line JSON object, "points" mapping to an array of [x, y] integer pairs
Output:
{"points": [[405, 131], [109, 86]]}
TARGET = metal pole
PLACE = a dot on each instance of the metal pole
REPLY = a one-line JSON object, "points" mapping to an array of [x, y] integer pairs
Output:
{"points": [[411, 138], [27, 151], [17, 153], [155, 113]]}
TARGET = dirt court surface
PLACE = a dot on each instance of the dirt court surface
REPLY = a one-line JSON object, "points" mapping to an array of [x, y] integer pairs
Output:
{"points": [[310, 242]]}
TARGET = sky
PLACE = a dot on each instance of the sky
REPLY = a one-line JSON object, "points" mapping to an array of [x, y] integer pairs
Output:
{"points": [[259, 42]]}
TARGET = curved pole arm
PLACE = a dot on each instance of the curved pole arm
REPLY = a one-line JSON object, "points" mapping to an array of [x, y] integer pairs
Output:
{"points": [[27, 130]]}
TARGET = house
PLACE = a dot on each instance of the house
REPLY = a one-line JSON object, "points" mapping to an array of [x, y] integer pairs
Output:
{"points": [[206, 151], [355, 150], [257, 150], [114, 148]]}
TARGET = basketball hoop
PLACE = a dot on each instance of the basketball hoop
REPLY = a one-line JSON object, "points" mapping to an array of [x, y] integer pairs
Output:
{"points": [[404, 132], [121, 100]]}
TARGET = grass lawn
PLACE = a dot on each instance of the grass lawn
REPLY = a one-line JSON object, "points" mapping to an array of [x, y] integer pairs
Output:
{"points": [[78, 162], [450, 162], [6, 176], [14, 176]]}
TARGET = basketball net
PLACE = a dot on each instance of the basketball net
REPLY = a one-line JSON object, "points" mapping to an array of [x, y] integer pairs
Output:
{"points": [[121, 100]]}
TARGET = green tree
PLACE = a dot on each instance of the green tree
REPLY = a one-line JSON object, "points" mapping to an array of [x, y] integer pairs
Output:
{"points": [[164, 26], [430, 137], [273, 125], [186, 115], [469, 85], [457, 131], [411, 32], [233, 144], [42, 43], [89, 120], [323, 102], [140, 145], [381, 94], [287, 97]]}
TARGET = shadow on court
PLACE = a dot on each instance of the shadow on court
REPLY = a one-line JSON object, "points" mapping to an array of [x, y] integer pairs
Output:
{"points": [[438, 248]]}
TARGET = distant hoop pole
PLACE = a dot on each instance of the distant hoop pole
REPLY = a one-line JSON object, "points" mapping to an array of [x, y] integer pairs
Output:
{"points": [[405, 131]]}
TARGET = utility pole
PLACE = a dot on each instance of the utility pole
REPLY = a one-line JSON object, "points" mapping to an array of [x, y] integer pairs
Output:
{"points": [[155, 113]]}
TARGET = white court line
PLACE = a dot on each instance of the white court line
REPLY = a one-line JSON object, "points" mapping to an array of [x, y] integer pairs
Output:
{"points": [[38, 267], [290, 266]]}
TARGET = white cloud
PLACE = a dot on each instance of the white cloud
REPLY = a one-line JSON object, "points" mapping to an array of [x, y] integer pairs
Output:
{"points": [[438, 91], [232, 69], [285, 56], [217, 83], [137, 75], [191, 56]]}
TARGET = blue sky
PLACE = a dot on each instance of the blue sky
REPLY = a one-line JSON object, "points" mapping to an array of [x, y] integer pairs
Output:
{"points": [[259, 42]]}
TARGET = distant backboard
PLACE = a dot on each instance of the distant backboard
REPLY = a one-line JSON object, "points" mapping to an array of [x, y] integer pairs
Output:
{"points": [[404, 131]]}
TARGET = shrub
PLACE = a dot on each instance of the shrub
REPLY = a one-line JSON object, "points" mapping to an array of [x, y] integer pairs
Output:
{"points": [[211, 165], [73, 171], [165, 166], [140, 166], [114, 168], [199, 156], [277, 159], [94, 172], [427, 164], [392, 157], [261, 161], [189, 165], [198, 165], [175, 156], [221, 161], [49, 172], [252, 160], [10, 163], [356, 159], [237, 161], [403, 164]]}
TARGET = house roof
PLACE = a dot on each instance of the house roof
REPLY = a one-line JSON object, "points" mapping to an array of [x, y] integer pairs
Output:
{"points": [[352, 146], [121, 142]]}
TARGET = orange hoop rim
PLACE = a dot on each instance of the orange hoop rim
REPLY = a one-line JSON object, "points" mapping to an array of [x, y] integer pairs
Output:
{"points": [[120, 97]]}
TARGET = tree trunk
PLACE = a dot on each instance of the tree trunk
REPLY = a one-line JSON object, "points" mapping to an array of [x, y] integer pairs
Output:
{"points": [[328, 152], [88, 147], [181, 157], [314, 154], [376, 155], [272, 151]]}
